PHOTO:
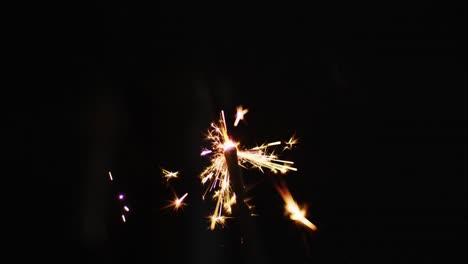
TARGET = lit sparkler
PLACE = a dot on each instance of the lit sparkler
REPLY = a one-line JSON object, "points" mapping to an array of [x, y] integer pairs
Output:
{"points": [[217, 176], [223, 176]]}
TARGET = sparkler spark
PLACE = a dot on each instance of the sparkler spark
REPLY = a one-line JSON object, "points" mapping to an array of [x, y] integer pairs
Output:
{"points": [[292, 141], [240, 114], [292, 208], [177, 203], [168, 175]]}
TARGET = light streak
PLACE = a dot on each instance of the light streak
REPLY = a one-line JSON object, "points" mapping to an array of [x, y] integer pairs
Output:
{"points": [[295, 212]]}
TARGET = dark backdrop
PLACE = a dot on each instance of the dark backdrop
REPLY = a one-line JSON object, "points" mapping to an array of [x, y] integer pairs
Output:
{"points": [[373, 92]]}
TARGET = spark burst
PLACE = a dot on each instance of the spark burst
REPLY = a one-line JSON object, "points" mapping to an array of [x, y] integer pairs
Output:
{"points": [[218, 179], [168, 175]]}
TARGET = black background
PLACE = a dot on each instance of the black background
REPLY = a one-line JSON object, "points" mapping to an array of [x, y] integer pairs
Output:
{"points": [[373, 92]]}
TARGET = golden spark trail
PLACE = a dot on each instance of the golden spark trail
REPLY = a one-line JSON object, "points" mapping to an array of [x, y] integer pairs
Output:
{"points": [[292, 208]]}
